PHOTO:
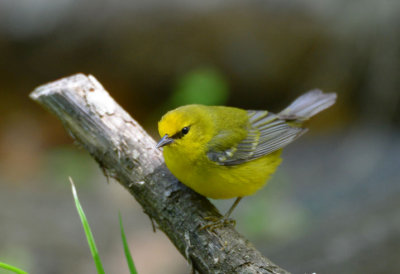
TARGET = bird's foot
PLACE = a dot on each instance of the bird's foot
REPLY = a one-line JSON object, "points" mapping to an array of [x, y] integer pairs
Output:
{"points": [[218, 222]]}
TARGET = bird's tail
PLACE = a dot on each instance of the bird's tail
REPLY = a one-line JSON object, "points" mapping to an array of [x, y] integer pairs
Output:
{"points": [[307, 105]]}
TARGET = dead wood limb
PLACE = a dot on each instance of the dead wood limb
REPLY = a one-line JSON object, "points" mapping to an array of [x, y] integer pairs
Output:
{"points": [[127, 153]]}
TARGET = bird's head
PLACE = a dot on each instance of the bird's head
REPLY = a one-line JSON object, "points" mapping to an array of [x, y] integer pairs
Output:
{"points": [[186, 127]]}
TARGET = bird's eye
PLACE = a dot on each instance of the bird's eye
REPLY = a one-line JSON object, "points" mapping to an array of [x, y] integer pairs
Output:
{"points": [[185, 130]]}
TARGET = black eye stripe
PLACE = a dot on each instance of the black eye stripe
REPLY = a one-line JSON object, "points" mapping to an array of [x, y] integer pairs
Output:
{"points": [[181, 133]]}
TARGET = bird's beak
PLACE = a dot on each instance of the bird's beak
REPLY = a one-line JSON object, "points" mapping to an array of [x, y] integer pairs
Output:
{"points": [[164, 141]]}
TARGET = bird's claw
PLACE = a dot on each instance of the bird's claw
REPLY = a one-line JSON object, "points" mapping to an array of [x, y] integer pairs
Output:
{"points": [[217, 222]]}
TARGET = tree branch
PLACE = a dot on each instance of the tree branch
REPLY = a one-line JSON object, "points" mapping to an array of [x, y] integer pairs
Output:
{"points": [[127, 153]]}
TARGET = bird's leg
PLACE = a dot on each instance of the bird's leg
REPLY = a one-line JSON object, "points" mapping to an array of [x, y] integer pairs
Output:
{"points": [[224, 220], [235, 203]]}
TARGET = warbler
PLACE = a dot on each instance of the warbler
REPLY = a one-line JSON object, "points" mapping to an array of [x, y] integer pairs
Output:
{"points": [[225, 152]]}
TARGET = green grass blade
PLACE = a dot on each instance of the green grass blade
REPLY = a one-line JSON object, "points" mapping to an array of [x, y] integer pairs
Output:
{"points": [[128, 255], [12, 268], [88, 232]]}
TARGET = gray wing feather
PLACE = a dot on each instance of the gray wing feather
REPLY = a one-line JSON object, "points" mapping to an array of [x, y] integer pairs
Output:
{"points": [[266, 134]]}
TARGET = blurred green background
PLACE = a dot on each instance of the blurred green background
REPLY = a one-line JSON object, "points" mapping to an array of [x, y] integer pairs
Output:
{"points": [[332, 207]]}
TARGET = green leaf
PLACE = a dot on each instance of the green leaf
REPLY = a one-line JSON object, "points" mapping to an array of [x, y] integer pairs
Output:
{"points": [[88, 232], [128, 255], [12, 268], [204, 85]]}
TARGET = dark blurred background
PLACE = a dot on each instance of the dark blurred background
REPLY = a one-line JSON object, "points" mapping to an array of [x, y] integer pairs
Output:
{"points": [[332, 207]]}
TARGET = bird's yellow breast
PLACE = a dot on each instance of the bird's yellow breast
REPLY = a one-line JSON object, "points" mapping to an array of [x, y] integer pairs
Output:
{"points": [[218, 181]]}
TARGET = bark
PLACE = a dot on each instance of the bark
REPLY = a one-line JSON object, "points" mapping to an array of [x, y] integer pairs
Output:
{"points": [[127, 153]]}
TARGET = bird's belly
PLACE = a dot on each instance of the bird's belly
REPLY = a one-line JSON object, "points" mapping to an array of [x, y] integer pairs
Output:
{"points": [[224, 182]]}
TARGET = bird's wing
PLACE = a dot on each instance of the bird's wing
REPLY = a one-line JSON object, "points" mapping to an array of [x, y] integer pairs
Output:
{"points": [[266, 133]]}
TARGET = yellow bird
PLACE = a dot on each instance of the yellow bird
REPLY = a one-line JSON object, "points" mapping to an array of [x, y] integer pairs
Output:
{"points": [[226, 152]]}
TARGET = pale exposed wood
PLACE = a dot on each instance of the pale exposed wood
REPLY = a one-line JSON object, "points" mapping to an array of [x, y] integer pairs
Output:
{"points": [[127, 153]]}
